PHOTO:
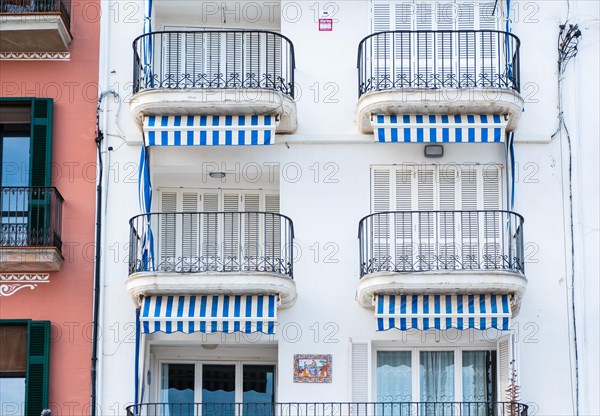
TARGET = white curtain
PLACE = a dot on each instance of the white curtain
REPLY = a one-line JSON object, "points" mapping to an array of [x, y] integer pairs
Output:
{"points": [[477, 382], [437, 382], [394, 376]]}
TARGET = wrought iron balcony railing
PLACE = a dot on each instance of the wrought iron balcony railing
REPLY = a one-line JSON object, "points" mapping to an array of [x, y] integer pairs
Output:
{"points": [[421, 241], [197, 242], [331, 409], [214, 59], [38, 7], [31, 217], [428, 59]]}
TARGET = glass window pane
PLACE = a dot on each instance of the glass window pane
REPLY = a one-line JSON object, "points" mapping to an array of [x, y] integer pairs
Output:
{"points": [[437, 382], [394, 382], [478, 381], [177, 389], [12, 396], [15, 161], [218, 390], [258, 389]]}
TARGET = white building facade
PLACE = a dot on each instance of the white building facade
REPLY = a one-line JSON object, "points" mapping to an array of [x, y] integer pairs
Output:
{"points": [[319, 208]]}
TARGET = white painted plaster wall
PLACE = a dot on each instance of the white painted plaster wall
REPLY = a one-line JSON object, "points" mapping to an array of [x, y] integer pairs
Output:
{"points": [[325, 189]]}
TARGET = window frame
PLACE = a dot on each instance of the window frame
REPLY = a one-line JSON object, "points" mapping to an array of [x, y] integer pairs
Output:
{"points": [[415, 367], [30, 407], [198, 364]]}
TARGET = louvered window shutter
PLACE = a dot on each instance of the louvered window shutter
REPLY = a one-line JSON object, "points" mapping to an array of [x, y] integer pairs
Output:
{"points": [[233, 59], [168, 231], [252, 227], [469, 221], [360, 357], [426, 203], [381, 223], [381, 21], [403, 48], [273, 229], [174, 59], [190, 235], [193, 59], [273, 59], [445, 18], [448, 176], [231, 230], [213, 56], [40, 164], [254, 68], [404, 221], [210, 228], [488, 43], [492, 221], [38, 366], [505, 365]]}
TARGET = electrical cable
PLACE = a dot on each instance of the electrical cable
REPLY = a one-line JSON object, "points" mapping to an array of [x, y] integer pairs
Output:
{"points": [[568, 41]]}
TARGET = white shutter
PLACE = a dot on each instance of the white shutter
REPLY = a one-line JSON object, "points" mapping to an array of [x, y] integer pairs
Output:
{"points": [[381, 223], [190, 236], [213, 65], [233, 56], [360, 368], [404, 221], [471, 238], [231, 229], [426, 203], [210, 227], [252, 225], [448, 176], [173, 52], [273, 58], [504, 365], [273, 228], [167, 231], [193, 58], [492, 221]]}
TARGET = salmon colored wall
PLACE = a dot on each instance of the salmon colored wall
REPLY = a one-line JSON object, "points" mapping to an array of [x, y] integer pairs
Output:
{"points": [[67, 300]]}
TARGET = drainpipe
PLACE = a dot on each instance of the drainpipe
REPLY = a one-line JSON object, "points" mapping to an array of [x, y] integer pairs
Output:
{"points": [[97, 258]]}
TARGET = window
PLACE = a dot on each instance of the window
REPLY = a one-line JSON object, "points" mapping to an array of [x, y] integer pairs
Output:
{"points": [[25, 155], [210, 239], [220, 58], [440, 217], [217, 388], [427, 58], [436, 379], [24, 365]]}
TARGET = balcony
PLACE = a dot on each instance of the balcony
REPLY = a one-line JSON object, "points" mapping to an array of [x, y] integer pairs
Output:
{"points": [[441, 252], [35, 26], [212, 253], [214, 72], [439, 72], [332, 409], [30, 232]]}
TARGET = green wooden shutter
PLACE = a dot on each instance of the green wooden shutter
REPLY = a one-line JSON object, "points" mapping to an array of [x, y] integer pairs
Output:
{"points": [[40, 164], [41, 141], [38, 365]]}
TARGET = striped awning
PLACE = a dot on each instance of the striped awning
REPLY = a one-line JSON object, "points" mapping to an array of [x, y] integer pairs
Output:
{"points": [[425, 312], [210, 130], [439, 128], [209, 314]]}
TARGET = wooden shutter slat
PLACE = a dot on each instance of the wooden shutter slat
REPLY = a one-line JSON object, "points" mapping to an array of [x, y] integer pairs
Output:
{"points": [[38, 363]]}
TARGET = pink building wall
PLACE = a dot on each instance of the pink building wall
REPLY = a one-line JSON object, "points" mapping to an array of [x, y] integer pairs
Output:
{"points": [[66, 300]]}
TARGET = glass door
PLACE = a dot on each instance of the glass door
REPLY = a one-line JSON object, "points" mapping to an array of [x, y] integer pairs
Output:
{"points": [[177, 389]]}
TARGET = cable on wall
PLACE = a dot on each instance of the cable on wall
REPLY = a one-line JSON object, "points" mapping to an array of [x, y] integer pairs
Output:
{"points": [[567, 45]]}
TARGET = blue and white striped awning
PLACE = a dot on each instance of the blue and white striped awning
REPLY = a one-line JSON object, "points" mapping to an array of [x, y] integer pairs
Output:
{"points": [[439, 128], [209, 314], [425, 312], [210, 130]]}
